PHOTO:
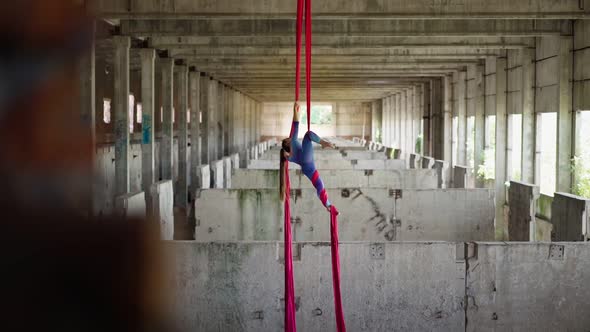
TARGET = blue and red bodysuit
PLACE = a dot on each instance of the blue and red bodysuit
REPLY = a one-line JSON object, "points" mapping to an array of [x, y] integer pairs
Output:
{"points": [[302, 155]]}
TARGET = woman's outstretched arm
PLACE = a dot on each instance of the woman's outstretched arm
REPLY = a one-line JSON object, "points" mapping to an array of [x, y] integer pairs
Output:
{"points": [[295, 124]]}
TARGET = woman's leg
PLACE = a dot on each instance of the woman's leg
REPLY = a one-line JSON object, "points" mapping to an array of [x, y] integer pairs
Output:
{"points": [[314, 176]]}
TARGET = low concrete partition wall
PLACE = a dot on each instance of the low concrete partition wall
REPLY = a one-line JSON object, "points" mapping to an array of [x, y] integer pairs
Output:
{"points": [[240, 286], [528, 287], [385, 286], [427, 162], [396, 179], [320, 164], [522, 200], [217, 174], [131, 205], [570, 216], [358, 155], [413, 159], [365, 215], [204, 177], [318, 154], [462, 177], [162, 202]]}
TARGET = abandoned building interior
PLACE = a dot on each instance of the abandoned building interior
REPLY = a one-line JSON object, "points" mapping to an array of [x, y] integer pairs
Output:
{"points": [[461, 166]]}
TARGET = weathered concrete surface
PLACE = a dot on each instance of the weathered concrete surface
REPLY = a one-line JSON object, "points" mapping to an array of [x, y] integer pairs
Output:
{"points": [[318, 154], [442, 168], [385, 286], [367, 155], [396, 179], [320, 164], [570, 216], [162, 197], [217, 174], [235, 161], [365, 215], [529, 287], [131, 205], [204, 174], [461, 177], [427, 162], [227, 172], [522, 201], [414, 159]]}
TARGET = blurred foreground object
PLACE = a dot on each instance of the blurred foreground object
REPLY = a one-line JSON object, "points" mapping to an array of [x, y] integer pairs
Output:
{"points": [[62, 270]]}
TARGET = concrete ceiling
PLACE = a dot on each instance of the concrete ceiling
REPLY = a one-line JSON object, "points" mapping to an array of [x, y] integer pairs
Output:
{"points": [[363, 49]]}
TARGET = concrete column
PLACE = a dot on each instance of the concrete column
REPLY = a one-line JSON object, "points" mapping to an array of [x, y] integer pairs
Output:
{"points": [[222, 124], [447, 119], [181, 188], [436, 120], [528, 115], [206, 119], [402, 121], [167, 143], [479, 140], [385, 121], [229, 99], [501, 134], [564, 116], [252, 121], [461, 113], [419, 107], [377, 120], [392, 133], [121, 113], [426, 116], [398, 116], [410, 109], [195, 127], [148, 81]]}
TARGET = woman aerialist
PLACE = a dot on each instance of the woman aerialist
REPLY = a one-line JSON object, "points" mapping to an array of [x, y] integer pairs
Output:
{"points": [[301, 153]]}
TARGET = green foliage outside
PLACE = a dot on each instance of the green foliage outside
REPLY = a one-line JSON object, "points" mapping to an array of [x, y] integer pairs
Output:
{"points": [[320, 114], [581, 170], [487, 170], [419, 144]]}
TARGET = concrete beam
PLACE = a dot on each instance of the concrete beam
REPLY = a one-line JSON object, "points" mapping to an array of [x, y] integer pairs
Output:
{"points": [[191, 42], [214, 51], [178, 9], [220, 27]]}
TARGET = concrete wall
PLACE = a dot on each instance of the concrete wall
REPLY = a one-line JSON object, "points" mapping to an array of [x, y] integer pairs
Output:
{"points": [[528, 287], [239, 287], [347, 120], [392, 164], [522, 200], [365, 215], [398, 179], [408, 286], [570, 216], [131, 205], [162, 202]]}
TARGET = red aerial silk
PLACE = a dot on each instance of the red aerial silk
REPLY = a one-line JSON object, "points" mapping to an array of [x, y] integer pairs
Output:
{"points": [[290, 320]]}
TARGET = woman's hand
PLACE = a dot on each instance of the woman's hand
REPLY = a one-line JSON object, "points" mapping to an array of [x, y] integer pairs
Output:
{"points": [[296, 112]]}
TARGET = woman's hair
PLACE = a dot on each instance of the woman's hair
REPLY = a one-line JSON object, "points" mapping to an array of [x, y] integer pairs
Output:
{"points": [[285, 147]]}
